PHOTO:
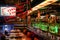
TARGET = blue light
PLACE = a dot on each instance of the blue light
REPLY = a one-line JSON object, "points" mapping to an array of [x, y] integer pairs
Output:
{"points": [[7, 27]]}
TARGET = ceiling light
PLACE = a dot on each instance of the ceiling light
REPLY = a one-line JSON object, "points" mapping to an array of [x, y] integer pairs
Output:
{"points": [[43, 4]]}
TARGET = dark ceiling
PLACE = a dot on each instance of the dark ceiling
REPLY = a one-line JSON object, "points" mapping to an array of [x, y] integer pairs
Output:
{"points": [[33, 3], [36, 2]]}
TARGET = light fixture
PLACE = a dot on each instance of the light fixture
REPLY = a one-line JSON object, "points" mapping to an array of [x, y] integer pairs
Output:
{"points": [[43, 4]]}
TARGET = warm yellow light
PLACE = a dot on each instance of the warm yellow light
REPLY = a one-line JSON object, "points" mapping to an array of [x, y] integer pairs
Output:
{"points": [[43, 4]]}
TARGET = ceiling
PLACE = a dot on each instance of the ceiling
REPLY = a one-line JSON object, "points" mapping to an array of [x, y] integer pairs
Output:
{"points": [[36, 2]]}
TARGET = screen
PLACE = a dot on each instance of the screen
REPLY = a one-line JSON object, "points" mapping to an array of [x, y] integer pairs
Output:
{"points": [[8, 11]]}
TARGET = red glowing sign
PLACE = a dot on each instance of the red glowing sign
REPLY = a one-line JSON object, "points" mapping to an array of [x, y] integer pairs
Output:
{"points": [[8, 11]]}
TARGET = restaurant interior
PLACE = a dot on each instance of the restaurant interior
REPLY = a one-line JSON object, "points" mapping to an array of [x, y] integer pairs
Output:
{"points": [[29, 19]]}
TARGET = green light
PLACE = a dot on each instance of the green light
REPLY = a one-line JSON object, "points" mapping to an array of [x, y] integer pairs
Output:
{"points": [[41, 26], [44, 27], [47, 27], [53, 29]]}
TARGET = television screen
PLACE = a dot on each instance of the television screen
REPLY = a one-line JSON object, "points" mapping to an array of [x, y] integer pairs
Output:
{"points": [[8, 11]]}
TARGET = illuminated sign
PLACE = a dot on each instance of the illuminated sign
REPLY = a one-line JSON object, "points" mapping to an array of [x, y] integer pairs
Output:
{"points": [[8, 11], [44, 27], [53, 29], [41, 26]]}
